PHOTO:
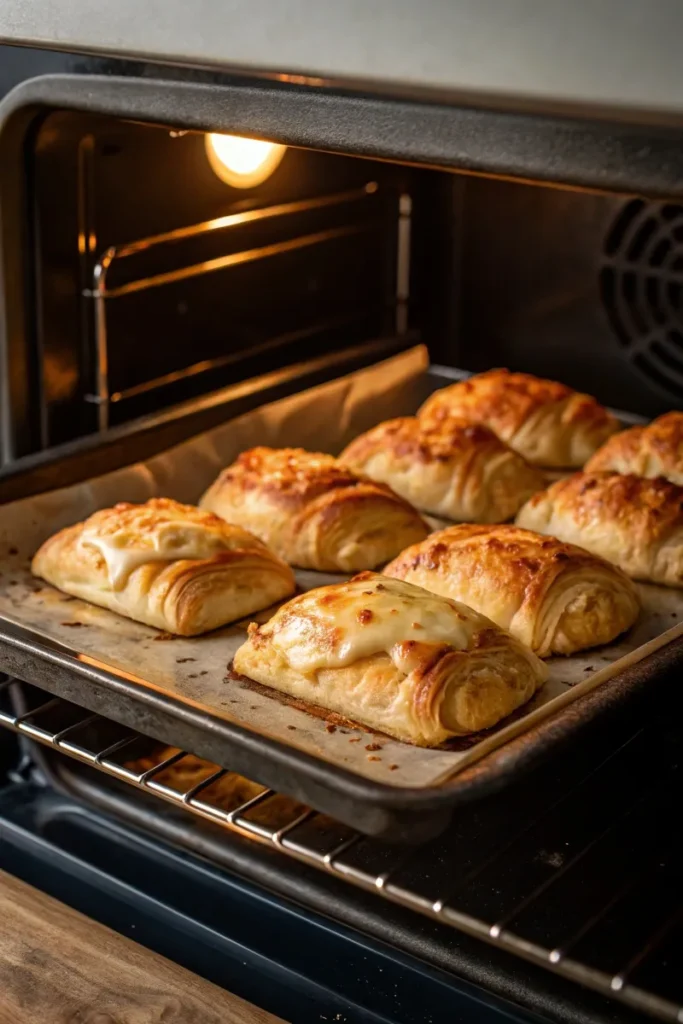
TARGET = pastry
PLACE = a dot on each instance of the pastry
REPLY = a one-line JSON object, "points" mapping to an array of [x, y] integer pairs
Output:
{"points": [[165, 564], [556, 598], [652, 450], [635, 523], [453, 468], [547, 423], [313, 511], [394, 657]]}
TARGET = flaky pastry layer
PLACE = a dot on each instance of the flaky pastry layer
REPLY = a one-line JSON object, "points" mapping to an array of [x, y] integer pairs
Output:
{"points": [[548, 423], [393, 657], [650, 451], [165, 564], [556, 598], [633, 522], [453, 468], [313, 511]]}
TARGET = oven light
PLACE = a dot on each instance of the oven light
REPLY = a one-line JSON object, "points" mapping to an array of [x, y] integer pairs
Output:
{"points": [[240, 162]]}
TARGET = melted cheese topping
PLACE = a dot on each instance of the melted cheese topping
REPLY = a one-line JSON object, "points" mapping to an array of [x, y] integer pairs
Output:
{"points": [[126, 548], [338, 625]]}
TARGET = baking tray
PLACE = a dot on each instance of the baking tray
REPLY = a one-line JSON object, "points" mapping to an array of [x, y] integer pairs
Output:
{"points": [[181, 691]]}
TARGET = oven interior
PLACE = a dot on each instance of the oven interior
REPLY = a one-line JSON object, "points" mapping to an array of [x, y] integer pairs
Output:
{"points": [[149, 283], [149, 290]]}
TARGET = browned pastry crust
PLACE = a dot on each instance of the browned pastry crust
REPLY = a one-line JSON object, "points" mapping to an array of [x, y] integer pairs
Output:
{"points": [[394, 657], [165, 564], [556, 598], [454, 468], [314, 511], [633, 522], [547, 423], [649, 451]]}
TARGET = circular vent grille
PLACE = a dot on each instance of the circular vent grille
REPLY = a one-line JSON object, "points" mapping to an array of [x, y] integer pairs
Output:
{"points": [[641, 284]]}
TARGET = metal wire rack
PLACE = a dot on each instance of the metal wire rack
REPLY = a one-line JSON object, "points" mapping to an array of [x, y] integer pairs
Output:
{"points": [[584, 875], [359, 203]]}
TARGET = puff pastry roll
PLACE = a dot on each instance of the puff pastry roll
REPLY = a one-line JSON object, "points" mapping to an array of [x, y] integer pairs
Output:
{"points": [[546, 422], [650, 451], [456, 469], [393, 657], [556, 598], [313, 511], [635, 523], [165, 564]]}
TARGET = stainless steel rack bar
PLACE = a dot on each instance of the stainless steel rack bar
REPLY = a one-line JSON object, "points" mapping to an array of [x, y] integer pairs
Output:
{"points": [[233, 220], [512, 885], [100, 292]]}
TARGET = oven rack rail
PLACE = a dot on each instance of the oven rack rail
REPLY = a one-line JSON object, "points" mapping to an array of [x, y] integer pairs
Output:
{"points": [[360, 201], [421, 879]]}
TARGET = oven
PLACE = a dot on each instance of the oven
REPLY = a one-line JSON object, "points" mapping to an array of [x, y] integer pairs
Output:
{"points": [[162, 274]]}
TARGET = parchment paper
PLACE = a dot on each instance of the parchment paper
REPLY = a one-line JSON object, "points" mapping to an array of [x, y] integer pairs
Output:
{"points": [[196, 670]]}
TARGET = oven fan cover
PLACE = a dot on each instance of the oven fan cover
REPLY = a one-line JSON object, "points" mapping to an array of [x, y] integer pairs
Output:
{"points": [[641, 287]]}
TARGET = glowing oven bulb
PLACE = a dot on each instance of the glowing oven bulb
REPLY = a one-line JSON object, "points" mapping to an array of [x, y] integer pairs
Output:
{"points": [[240, 162]]}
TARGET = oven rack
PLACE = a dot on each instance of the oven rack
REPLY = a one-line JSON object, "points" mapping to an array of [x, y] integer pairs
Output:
{"points": [[620, 932], [360, 203]]}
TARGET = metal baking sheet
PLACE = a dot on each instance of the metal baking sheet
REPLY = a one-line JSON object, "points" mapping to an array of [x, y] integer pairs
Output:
{"points": [[189, 679], [197, 671]]}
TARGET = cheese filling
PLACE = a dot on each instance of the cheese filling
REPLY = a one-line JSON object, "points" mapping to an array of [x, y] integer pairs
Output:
{"points": [[368, 617], [124, 551]]}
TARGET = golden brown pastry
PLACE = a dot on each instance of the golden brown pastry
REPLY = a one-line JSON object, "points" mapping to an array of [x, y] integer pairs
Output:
{"points": [[635, 523], [650, 451], [456, 469], [546, 422], [556, 598], [393, 657], [313, 511], [165, 564]]}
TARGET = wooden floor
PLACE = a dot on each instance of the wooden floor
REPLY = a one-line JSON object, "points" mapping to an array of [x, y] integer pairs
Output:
{"points": [[58, 967]]}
